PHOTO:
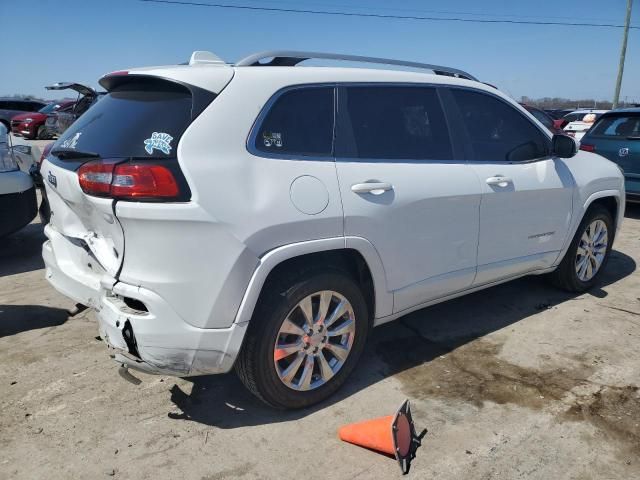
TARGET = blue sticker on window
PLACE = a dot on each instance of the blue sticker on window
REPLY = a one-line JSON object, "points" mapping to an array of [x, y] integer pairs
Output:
{"points": [[160, 141]]}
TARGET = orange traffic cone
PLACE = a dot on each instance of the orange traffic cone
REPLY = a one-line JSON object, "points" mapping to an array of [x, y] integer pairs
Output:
{"points": [[394, 435]]}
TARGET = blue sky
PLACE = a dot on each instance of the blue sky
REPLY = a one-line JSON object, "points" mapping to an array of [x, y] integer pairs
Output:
{"points": [[51, 41]]}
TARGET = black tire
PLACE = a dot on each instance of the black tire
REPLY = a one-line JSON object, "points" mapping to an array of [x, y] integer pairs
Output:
{"points": [[565, 276], [42, 133], [45, 210], [255, 365]]}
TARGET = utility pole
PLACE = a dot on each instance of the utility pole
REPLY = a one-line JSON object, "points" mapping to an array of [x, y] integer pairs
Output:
{"points": [[623, 52]]}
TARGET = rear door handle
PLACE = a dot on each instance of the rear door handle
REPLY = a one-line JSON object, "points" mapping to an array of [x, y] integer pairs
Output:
{"points": [[375, 188], [499, 180]]}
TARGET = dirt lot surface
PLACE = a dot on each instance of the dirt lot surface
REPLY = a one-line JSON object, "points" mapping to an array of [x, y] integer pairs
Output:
{"points": [[519, 381]]}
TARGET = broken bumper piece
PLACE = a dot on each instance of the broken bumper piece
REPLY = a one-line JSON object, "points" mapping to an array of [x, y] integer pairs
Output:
{"points": [[158, 341]]}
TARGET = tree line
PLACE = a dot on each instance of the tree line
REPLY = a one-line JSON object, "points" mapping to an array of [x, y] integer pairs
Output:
{"points": [[567, 103]]}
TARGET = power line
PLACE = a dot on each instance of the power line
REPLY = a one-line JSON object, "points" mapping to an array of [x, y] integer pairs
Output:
{"points": [[352, 6], [384, 16]]}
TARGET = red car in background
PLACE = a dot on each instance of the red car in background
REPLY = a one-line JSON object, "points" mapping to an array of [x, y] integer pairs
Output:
{"points": [[32, 125]]}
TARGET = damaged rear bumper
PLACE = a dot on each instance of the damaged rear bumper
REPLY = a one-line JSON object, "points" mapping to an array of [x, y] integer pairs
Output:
{"points": [[159, 341], [140, 328]]}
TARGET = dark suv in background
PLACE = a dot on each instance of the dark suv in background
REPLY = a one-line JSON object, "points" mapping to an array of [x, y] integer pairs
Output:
{"points": [[59, 121], [10, 107]]}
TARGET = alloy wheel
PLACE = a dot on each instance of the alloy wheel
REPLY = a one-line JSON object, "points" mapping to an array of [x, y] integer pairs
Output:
{"points": [[592, 250], [314, 340]]}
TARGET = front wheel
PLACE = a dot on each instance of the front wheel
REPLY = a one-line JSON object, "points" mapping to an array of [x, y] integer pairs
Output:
{"points": [[588, 253], [305, 338]]}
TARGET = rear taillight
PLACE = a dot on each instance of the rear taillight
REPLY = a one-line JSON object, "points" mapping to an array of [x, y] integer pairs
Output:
{"points": [[587, 148], [95, 178], [141, 180], [128, 180]]}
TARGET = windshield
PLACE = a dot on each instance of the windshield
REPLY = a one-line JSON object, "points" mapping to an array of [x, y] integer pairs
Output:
{"points": [[618, 126], [49, 108], [133, 120]]}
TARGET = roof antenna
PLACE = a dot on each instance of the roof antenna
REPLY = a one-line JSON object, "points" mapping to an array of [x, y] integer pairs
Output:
{"points": [[203, 57]]}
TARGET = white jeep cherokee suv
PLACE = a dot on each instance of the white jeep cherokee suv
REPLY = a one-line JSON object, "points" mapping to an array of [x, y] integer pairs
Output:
{"points": [[266, 216]]}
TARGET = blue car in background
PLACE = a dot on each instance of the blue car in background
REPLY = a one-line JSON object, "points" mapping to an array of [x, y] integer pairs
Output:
{"points": [[616, 136]]}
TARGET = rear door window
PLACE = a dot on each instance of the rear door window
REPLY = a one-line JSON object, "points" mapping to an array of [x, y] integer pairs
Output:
{"points": [[133, 120], [617, 126], [572, 117], [300, 122], [393, 123], [498, 131]]}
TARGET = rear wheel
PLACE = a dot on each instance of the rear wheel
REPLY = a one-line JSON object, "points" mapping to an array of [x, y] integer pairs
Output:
{"points": [[588, 253], [42, 133], [305, 338]]}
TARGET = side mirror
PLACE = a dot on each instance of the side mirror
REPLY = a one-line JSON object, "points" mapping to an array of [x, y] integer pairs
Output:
{"points": [[564, 146]]}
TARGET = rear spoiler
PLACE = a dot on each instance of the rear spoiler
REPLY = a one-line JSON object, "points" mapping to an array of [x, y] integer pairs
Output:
{"points": [[201, 98]]}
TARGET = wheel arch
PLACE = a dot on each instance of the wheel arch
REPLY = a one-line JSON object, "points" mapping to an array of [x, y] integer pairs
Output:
{"points": [[356, 255], [611, 200]]}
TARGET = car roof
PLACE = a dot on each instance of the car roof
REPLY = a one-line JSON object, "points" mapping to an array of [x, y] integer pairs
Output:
{"points": [[9, 99], [307, 74], [587, 110], [205, 70], [625, 110]]}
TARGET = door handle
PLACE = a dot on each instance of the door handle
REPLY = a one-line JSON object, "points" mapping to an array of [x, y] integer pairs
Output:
{"points": [[374, 188], [499, 180]]}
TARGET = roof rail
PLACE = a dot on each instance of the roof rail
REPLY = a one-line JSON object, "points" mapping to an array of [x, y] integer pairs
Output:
{"points": [[289, 58]]}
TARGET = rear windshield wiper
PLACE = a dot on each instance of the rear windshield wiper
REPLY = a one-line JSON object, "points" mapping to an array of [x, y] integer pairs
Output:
{"points": [[63, 153]]}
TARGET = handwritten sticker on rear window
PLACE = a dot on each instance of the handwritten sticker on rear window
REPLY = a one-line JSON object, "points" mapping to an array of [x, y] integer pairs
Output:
{"points": [[272, 138], [71, 142], [158, 141]]}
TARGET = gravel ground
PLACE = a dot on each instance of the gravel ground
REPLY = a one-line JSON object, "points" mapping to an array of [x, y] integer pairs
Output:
{"points": [[518, 381]]}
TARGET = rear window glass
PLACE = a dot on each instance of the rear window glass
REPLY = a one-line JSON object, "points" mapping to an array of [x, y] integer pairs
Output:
{"points": [[579, 117], [617, 126], [299, 123], [49, 108], [133, 120]]}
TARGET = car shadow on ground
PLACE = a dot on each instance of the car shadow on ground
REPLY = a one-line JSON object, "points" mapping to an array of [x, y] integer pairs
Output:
{"points": [[415, 339], [21, 318], [21, 251]]}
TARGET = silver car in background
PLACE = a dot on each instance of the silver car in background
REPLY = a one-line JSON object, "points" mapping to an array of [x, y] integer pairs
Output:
{"points": [[18, 203]]}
